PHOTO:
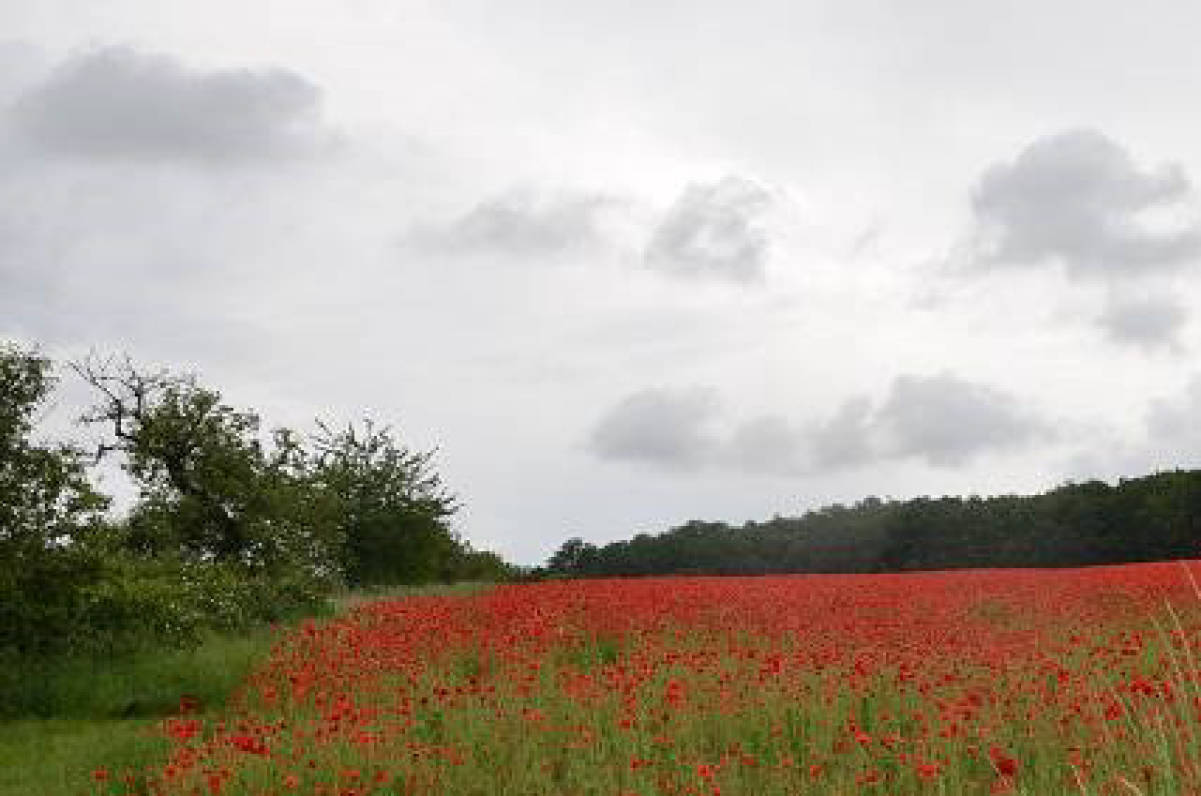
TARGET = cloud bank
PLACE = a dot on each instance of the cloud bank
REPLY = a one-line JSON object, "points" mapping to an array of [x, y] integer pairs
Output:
{"points": [[941, 420]]}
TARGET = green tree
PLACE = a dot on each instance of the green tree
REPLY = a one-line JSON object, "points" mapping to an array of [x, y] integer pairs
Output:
{"points": [[574, 557], [393, 508], [210, 489], [48, 508]]}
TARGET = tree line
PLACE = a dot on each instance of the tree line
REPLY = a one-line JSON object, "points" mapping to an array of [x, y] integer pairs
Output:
{"points": [[231, 525], [1156, 517]]}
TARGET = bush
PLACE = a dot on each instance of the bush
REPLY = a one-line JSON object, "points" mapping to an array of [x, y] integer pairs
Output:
{"points": [[231, 528]]}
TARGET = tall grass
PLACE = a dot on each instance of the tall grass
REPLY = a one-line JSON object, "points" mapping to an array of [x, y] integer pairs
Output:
{"points": [[145, 683], [63, 717], [55, 757], [350, 598]]}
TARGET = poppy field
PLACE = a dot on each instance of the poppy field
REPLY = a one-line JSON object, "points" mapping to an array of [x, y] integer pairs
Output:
{"points": [[969, 682]]}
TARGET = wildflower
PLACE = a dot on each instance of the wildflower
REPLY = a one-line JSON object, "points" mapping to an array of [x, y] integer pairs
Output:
{"points": [[869, 777], [927, 771], [249, 744], [1005, 765], [182, 730]]}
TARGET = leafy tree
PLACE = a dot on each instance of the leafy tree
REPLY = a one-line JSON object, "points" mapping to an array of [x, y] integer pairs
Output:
{"points": [[572, 558], [393, 508], [482, 565], [48, 508], [230, 527], [210, 490]]}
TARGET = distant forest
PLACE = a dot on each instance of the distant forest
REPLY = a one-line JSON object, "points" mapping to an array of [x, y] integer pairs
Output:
{"points": [[1155, 517]]}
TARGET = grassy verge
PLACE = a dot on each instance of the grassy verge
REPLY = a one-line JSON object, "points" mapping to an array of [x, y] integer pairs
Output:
{"points": [[350, 599], [61, 719], [143, 684], [45, 757]]}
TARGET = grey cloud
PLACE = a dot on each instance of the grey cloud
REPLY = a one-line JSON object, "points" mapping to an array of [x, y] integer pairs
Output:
{"points": [[845, 439], [766, 444], [523, 223], [712, 231], [665, 428], [119, 103], [948, 421], [1074, 198], [942, 419], [1149, 323]]}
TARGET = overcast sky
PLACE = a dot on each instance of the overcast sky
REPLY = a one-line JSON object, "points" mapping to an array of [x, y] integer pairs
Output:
{"points": [[629, 263]]}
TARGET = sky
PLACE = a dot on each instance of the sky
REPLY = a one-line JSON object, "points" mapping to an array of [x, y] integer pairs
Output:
{"points": [[627, 264]]}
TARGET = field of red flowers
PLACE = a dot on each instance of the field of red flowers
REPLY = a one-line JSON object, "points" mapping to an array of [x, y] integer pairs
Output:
{"points": [[1022, 681]]}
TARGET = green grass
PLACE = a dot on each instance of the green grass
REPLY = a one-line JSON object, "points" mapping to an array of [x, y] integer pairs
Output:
{"points": [[61, 718], [351, 598], [65, 717], [142, 684], [47, 757]]}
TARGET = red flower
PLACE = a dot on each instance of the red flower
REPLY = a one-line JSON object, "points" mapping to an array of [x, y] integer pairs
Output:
{"points": [[1005, 765], [927, 771]]}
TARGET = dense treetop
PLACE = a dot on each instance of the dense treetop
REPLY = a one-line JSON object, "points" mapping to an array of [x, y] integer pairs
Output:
{"points": [[1139, 519]]}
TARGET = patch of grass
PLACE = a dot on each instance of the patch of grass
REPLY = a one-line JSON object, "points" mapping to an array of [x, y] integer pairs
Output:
{"points": [[67, 716], [62, 718], [145, 683], [57, 756], [367, 594]]}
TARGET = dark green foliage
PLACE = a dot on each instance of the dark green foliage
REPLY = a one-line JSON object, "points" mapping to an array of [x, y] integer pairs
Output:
{"points": [[210, 489], [392, 508], [574, 556], [481, 565], [1152, 518], [231, 528], [48, 511]]}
